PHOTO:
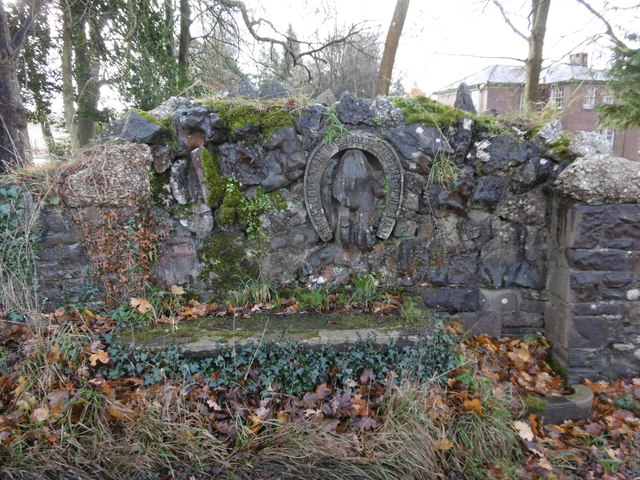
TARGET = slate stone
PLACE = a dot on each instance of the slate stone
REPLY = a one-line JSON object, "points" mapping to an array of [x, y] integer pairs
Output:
{"points": [[247, 134], [385, 113], [327, 97], [162, 158], [611, 260], [489, 191], [463, 269], [246, 89], [195, 126], [450, 299], [178, 260], [319, 258], [462, 138], [312, 124], [285, 160], [416, 139], [354, 111], [441, 199], [242, 161], [503, 152], [273, 89], [184, 184], [112, 130], [463, 99], [138, 129]]}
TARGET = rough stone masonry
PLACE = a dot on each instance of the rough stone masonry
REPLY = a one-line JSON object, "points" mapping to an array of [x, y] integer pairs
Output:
{"points": [[511, 243]]}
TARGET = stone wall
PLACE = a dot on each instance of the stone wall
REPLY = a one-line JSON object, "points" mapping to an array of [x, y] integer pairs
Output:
{"points": [[593, 314], [315, 197]]}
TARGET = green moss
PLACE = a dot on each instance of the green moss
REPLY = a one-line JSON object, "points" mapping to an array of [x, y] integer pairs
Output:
{"points": [[268, 115], [158, 184], [561, 146], [164, 122], [226, 263], [434, 114], [428, 112], [535, 404]]}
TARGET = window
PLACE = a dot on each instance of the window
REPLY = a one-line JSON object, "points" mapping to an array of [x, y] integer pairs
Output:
{"points": [[589, 98], [608, 97], [610, 135], [556, 98]]}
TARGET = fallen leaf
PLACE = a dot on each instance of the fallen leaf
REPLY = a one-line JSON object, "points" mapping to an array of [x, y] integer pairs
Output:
{"points": [[473, 405], [140, 304], [524, 430], [443, 444], [40, 414], [98, 356], [177, 290]]}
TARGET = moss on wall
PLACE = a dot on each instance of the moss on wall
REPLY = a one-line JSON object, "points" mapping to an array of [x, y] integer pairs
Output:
{"points": [[434, 114], [227, 262], [268, 115], [164, 122]]}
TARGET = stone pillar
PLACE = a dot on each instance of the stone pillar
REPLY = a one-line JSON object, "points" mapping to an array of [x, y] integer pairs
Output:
{"points": [[593, 315]]}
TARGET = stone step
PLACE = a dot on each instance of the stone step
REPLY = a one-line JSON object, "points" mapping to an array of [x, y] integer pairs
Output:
{"points": [[208, 336]]}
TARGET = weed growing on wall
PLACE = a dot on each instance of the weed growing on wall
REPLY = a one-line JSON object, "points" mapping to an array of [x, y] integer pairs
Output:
{"points": [[18, 279]]}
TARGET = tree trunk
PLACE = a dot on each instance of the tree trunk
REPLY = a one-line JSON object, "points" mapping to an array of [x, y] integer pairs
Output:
{"points": [[15, 148], [390, 47], [85, 73], [533, 64], [68, 94], [184, 41]]}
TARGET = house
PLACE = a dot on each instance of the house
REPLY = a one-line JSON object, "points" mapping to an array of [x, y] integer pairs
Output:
{"points": [[572, 88]]}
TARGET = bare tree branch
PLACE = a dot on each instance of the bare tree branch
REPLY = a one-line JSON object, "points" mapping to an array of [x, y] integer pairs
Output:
{"points": [[608, 28], [286, 44], [508, 20], [21, 34]]}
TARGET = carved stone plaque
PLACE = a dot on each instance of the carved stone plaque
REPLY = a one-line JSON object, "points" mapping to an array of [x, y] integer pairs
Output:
{"points": [[352, 185]]}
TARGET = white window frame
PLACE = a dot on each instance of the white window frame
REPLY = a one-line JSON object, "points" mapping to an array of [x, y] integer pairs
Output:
{"points": [[608, 97], [609, 135], [589, 101], [556, 97]]}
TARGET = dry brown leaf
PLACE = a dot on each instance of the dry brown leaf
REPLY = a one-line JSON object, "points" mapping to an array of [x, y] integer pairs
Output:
{"points": [[473, 405], [524, 430], [176, 290], [40, 414], [98, 356], [140, 304], [443, 444]]}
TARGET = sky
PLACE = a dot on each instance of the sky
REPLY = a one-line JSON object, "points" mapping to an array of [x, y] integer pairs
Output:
{"points": [[444, 41]]}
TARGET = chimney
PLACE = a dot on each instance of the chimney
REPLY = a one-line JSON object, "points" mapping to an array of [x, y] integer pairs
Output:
{"points": [[579, 58]]}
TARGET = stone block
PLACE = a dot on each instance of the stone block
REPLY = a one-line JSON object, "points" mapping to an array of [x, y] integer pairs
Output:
{"points": [[590, 332], [450, 299], [599, 259], [499, 300], [487, 323]]}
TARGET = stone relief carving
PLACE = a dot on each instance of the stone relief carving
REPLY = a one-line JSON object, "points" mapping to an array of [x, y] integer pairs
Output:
{"points": [[351, 186]]}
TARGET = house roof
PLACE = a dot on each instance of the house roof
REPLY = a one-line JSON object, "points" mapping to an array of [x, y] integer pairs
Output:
{"points": [[515, 74]]}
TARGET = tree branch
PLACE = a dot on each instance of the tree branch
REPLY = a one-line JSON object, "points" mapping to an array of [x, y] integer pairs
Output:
{"points": [[21, 34], [508, 20], [608, 28], [286, 44]]}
